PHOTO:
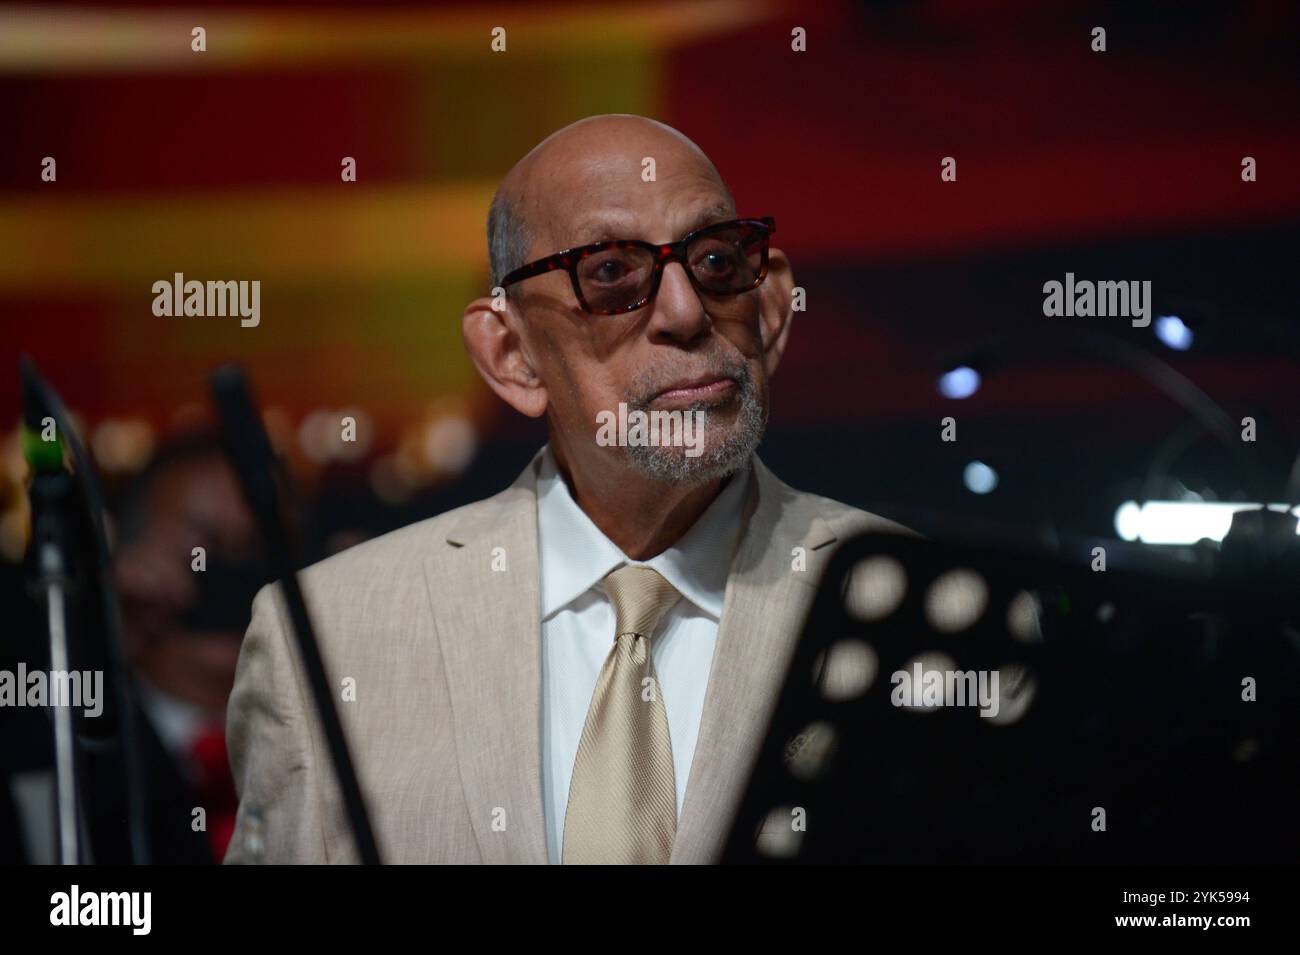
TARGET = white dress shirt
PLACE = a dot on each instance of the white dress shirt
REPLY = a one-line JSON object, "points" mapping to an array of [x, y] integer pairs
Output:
{"points": [[578, 627]]}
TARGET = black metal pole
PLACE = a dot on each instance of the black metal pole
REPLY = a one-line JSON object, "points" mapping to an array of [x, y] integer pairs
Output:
{"points": [[250, 452]]}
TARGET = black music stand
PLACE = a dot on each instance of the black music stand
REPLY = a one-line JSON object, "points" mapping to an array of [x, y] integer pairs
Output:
{"points": [[1120, 690]]}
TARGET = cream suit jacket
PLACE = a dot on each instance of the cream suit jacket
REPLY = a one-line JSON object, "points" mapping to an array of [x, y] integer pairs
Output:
{"points": [[443, 655]]}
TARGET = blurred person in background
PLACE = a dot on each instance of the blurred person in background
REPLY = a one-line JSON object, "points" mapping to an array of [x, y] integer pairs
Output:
{"points": [[187, 566]]}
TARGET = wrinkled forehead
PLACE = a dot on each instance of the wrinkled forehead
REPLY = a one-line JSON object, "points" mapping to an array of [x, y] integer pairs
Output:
{"points": [[657, 194]]}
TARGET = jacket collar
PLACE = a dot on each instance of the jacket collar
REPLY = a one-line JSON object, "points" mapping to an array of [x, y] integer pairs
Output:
{"points": [[485, 600]]}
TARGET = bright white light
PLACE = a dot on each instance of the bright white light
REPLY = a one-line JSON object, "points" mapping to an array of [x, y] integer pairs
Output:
{"points": [[1181, 522], [979, 477], [1128, 521], [1171, 330], [961, 382]]}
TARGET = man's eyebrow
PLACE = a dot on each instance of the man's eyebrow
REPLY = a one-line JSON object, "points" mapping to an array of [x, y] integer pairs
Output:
{"points": [[606, 230], [599, 230], [710, 216]]}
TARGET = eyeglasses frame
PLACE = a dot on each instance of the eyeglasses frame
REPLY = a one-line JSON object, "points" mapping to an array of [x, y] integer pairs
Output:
{"points": [[663, 254]]}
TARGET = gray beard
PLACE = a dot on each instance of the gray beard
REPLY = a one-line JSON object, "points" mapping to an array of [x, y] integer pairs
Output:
{"points": [[718, 459]]}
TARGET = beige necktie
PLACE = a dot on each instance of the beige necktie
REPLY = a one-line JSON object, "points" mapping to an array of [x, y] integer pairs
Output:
{"points": [[623, 796]]}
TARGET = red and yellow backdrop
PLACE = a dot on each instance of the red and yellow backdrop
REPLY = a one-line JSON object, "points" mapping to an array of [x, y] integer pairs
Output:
{"points": [[225, 164]]}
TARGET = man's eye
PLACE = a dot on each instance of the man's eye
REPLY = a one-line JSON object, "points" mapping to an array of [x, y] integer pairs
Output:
{"points": [[611, 270], [716, 261]]}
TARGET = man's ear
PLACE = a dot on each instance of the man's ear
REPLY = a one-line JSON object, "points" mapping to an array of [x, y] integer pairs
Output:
{"points": [[776, 310], [495, 345]]}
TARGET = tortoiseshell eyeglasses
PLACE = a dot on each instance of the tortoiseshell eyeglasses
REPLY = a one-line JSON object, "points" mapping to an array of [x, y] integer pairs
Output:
{"points": [[610, 278]]}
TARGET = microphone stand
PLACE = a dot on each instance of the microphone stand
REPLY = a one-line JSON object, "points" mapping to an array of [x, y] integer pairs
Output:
{"points": [[68, 510], [53, 510]]}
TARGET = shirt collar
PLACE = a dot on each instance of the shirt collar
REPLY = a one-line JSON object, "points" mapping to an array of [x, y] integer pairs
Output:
{"points": [[576, 554]]}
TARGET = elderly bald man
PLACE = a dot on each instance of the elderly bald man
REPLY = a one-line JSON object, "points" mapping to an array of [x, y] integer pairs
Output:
{"points": [[580, 668]]}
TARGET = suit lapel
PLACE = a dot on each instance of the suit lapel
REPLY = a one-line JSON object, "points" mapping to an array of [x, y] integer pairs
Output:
{"points": [[491, 652], [762, 615], [489, 631]]}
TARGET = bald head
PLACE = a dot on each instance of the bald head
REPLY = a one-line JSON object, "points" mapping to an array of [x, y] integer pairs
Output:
{"points": [[688, 345], [594, 157]]}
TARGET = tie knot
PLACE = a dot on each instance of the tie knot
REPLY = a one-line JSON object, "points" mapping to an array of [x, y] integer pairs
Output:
{"points": [[641, 596]]}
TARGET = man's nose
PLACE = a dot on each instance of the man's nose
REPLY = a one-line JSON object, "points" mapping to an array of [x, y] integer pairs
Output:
{"points": [[678, 314]]}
